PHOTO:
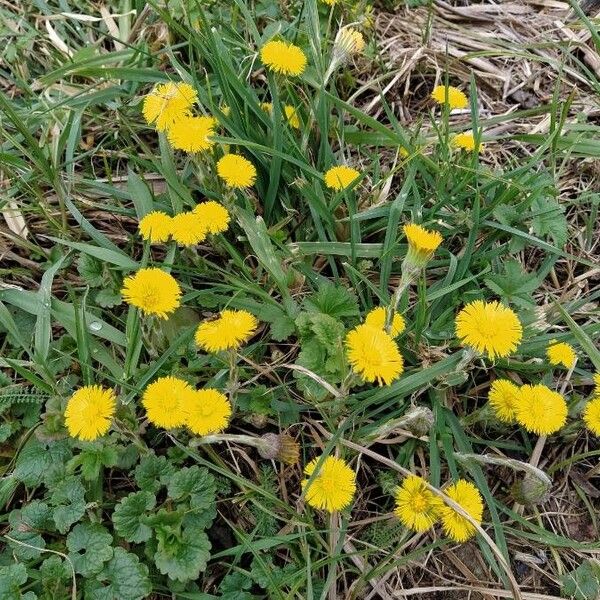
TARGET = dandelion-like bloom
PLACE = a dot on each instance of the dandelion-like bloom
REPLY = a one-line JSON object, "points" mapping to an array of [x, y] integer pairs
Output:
{"points": [[456, 98], [465, 141], [89, 412], [333, 487], [192, 134], [489, 327], [283, 57], [377, 317], [227, 332], [591, 415], [291, 116], [422, 244], [165, 401], [167, 103], [153, 291], [188, 229], [468, 497], [561, 353], [373, 354], [597, 384], [541, 410], [347, 42], [155, 227], [340, 177], [214, 216], [207, 411], [417, 507], [504, 396], [236, 171]]}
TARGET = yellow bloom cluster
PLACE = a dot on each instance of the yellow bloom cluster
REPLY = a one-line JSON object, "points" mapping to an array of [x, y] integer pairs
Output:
{"points": [[228, 331], [333, 485]]}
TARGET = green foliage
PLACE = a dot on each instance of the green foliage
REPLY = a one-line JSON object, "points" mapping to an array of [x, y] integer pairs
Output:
{"points": [[584, 582], [130, 514], [90, 546]]}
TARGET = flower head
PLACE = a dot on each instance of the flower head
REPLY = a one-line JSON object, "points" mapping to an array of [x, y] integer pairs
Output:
{"points": [[165, 401], [207, 411], [280, 446], [417, 507], [89, 412], [167, 103], [541, 410], [591, 415], [561, 353], [214, 216], [228, 331], [451, 96], [155, 227], [348, 41], [377, 317], [192, 134], [340, 177], [236, 171], [422, 244], [468, 497], [597, 384], [291, 116], [465, 141], [504, 397], [333, 487], [283, 57], [373, 354], [153, 291], [188, 229], [489, 327]]}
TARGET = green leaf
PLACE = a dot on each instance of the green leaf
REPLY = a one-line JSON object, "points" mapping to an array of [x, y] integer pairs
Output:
{"points": [[140, 194], [584, 582], [91, 270], [55, 575], [152, 472], [11, 580], [123, 578], [234, 586], [36, 458], [128, 516], [549, 220], [182, 556], [107, 298], [195, 484], [27, 525], [113, 257], [95, 542], [335, 301], [93, 458], [514, 285], [68, 500]]}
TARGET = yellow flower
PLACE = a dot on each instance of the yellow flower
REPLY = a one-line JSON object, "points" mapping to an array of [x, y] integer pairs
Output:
{"points": [[188, 229], [504, 397], [591, 415], [292, 116], [236, 171], [561, 353], [376, 318], [329, 2], [227, 332], [153, 291], [340, 177], [214, 216], [456, 98], [597, 384], [155, 226], [465, 141], [89, 412], [417, 507], [283, 57], [373, 354], [422, 244], [333, 487], [468, 497], [167, 103], [266, 106], [489, 327], [207, 411], [348, 41], [541, 410], [192, 134], [165, 401]]}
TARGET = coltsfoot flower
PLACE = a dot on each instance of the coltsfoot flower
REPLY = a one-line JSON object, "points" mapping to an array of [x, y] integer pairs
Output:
{"points": [[188, 229], [228, 331], [236, 171], [192, 134], [207, 411], [504, 396], [89, 412], [451, 96], [333, 487], [155, 227], [167, 103], [561, 353], [417, 507], [422, 244], [153, 291], [591, 415], [165, 401], [214, 216], [468, 497], [377, 316], [283, 57], [465, 141], [340, 177], [541, 410]]}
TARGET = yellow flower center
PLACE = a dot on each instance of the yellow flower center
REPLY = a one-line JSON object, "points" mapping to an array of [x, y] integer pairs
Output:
{"points": [[328, 485], [419, 503]]}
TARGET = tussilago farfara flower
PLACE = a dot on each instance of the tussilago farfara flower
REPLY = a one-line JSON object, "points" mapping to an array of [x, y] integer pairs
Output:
{"points": [[155, 227], [417, 507], [288, 110], [283, 57], [561, 353], [465, 141], [377, 317], [214, 216], [207, 411], [541, 410], [188, 229], [422, 244], [165, 401], [340, 177], [373, 354], [333, 487], [489, 328], [504, 397], [451, 96], [153, 291], [468, 497], [192, 134], [236, 171], [591, 415], [167, 103], [228, 331], [89, 412], [282, 446], [597, 384]]}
